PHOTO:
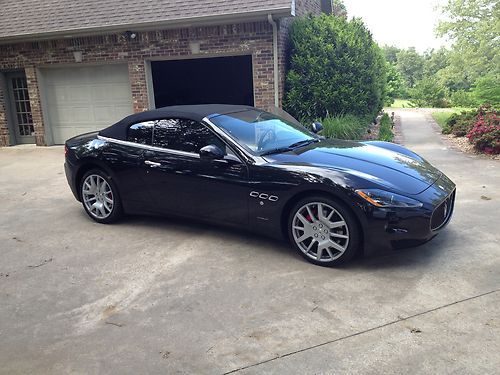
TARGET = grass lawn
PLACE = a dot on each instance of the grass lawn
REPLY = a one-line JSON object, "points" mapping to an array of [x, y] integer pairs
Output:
{"points": [[442, 116], [401, 103]]}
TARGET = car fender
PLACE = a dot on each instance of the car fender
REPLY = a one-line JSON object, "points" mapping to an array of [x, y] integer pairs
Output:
{"points": [[342, 194], [86, 164]]}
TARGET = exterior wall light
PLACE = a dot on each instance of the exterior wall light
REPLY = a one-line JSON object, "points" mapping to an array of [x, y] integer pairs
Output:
{"points": [[78, 55], [194, 47], [130, 35]]}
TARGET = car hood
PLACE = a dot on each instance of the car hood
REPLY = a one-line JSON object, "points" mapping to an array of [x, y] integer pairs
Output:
{"points": [[374, 163]]}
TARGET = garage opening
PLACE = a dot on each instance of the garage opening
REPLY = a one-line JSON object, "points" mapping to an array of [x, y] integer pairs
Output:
{"points": [[218, 80]]}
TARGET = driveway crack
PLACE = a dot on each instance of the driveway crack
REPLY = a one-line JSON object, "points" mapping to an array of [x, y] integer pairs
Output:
{"points": [[402, 319]]}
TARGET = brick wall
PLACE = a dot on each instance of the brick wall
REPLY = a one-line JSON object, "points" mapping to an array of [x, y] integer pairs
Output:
{"points": [[246, 38], [4, 131], [303, 7], [284, 25], [36, 106]]}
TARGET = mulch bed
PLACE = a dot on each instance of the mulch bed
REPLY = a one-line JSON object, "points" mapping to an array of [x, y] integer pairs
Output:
{"points": [[372, 132], [398, 133], [374, 129]]}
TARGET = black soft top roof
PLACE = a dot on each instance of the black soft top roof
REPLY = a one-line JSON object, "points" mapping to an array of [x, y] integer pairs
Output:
{"points": [[190, 112]]}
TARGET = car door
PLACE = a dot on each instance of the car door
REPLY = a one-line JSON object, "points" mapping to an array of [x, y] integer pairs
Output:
{"points": [[126, 160], [182, 183]]}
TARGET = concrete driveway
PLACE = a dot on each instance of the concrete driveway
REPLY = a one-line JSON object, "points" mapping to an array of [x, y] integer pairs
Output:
{"points": [[151, 295]]}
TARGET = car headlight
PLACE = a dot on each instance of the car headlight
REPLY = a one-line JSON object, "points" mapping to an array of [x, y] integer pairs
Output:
{"points": [[382, 198]]}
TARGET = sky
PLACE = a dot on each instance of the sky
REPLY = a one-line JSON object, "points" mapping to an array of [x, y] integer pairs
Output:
{"points": [[402, 23]]}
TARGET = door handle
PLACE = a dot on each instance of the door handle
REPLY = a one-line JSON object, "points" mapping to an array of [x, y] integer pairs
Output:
{"points": [[152, 164]]}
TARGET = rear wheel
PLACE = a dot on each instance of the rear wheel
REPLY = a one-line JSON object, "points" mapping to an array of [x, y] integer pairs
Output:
{"points": [[323, 231], [100, 197]]}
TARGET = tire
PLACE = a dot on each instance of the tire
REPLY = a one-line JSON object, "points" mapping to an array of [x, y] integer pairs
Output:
{"points": [[329, 240], [100, 197]]}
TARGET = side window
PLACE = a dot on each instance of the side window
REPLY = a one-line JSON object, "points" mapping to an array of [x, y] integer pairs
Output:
{"points": [[184, 135], [141, 133]]}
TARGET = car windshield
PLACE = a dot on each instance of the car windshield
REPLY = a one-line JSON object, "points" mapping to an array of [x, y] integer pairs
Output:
{"points": [[263, 133]]}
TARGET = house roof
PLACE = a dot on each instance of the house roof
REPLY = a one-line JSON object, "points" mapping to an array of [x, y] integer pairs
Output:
{"points": [[35, 19]]}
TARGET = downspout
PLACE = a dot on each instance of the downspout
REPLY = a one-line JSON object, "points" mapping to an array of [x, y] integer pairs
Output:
{"points": [[275, 57]]}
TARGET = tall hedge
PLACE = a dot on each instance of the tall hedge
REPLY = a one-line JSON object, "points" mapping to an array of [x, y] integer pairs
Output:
{"points": [[334, 67]]}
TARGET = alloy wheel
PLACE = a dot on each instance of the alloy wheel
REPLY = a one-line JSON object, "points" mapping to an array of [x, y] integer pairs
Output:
{"points": [[97, 196], [320, 232]]}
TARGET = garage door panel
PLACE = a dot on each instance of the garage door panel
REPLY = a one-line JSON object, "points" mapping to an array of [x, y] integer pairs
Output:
{"points": [[106, 114], [65, 76], [67, 117], [69, 95], [85, 99], [77, 94], [117, 91]]}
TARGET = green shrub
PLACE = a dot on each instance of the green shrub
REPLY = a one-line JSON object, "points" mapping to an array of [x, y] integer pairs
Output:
{"points": [[385, 132], [345, 126], [462, 98], [335, 67], [446, 130], [459, 124], [487, 90], [395, 84], [461, 128], [428, 92]]}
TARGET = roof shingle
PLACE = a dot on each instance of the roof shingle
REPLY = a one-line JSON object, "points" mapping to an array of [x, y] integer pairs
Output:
{"points": [[32, 18]]}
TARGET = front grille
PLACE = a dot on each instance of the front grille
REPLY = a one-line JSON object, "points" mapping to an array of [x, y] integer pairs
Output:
{"points": [[442, 213]]}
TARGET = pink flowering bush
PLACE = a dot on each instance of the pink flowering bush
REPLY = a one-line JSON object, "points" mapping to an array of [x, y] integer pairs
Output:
{"points": [[485, 133]]}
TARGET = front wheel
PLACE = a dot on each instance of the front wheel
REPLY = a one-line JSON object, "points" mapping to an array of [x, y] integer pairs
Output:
{"points": [[323, 231], [100, 197]]}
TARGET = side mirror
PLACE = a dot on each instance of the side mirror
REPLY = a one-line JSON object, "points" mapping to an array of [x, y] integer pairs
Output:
{"points": [[211, 152], [317, 127]]}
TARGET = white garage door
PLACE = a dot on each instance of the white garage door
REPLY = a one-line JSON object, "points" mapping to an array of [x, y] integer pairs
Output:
{"points": [[84, 99]]}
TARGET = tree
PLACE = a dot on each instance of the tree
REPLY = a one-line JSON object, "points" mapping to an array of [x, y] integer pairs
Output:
{"points": [[462, 98], [487, 90], [411, 66], [473, 27], [395, 84], [436, 60], [454, 77], [428, 92], [335, 67], [339, 9], [391, 53]]}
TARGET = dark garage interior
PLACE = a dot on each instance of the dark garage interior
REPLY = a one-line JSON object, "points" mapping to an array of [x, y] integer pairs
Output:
{"points": [[223, 80]]}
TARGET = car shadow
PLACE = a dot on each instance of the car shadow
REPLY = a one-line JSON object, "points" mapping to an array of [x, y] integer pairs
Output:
{"points": [[419, 255], [190, 227], [379, 259]]}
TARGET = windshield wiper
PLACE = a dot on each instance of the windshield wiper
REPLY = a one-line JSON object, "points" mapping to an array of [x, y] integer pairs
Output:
{"points": [[278, 150], [305, 142], [291, 147]]}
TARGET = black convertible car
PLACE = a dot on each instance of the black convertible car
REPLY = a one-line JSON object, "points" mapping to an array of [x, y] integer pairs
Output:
{"points": [[241, 166]]}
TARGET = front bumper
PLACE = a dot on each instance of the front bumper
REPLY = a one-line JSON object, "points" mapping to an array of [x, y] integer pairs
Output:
{"points": [[404, 227]]}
